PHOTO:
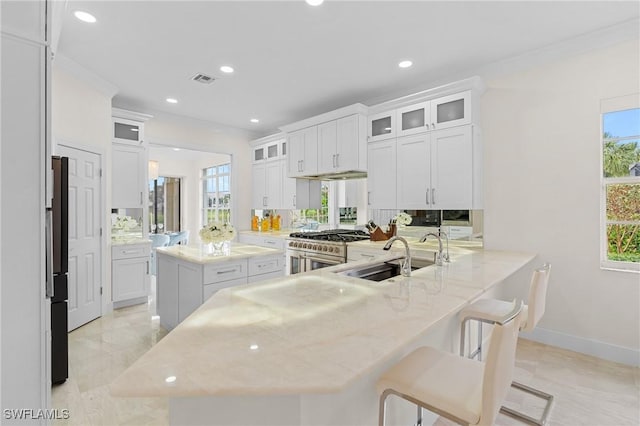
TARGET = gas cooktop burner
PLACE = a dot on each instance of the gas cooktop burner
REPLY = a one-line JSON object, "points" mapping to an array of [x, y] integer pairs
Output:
{"points": [[346, 235]]}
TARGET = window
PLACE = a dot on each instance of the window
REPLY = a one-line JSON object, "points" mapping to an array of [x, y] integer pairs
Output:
{"points": [[164, 204], [216, 194], [621, 184]]}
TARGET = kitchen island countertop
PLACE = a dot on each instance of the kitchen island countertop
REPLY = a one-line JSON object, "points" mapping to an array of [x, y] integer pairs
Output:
{"points": [[200, 253], [309, 333]]}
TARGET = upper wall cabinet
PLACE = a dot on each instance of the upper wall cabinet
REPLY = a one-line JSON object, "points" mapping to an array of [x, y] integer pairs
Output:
{"points": [[303, 152], [129, 160], [342, 145], [328, 144], [435, 114], [451, 111], [274, 150]]}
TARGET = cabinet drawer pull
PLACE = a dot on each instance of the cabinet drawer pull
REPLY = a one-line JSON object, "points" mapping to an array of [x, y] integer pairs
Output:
{"points": [[228, 271], [269, 242], [367, 255], [130, 251]]}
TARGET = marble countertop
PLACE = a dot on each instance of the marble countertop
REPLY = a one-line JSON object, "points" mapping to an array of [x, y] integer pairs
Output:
{"points": [[129, 241], [200, 253], [308, 333], [282, 233]]}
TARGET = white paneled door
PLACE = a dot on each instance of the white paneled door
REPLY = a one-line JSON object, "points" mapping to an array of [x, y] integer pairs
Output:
{"points": [[85, 257]]}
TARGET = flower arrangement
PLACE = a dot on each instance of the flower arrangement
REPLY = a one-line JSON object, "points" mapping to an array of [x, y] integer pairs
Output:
{"points": [[217, 232], [402, 218], [124, 223]]}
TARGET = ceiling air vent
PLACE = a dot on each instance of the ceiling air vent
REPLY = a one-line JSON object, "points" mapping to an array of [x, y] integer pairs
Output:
{"points": [[203, 78]]}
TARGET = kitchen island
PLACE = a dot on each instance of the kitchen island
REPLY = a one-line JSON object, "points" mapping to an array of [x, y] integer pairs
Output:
{"points": [[188, 275], [307, 349]]}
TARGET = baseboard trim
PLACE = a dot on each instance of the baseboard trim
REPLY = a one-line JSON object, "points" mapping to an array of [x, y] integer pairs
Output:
{"points": [[586, 346]]}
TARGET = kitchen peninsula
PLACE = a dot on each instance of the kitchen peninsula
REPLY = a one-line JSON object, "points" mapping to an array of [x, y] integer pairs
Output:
{"points": [[307, 349]]}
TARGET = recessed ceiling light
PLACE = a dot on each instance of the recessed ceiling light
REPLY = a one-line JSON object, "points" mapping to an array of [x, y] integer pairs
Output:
{"points": [[226, 69], [405, 64], [254, 120], [254, 347], [176, 149], [172, 100], [314, 2], [170, 379], [84, 16]]}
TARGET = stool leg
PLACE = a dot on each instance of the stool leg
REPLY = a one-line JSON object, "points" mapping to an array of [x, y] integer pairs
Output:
{"points": [[463, 332], [525, 418], [479, 340], [382, 408], [419, 417]]}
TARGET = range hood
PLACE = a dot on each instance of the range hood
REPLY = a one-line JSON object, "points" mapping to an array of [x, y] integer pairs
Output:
{"points": [[351, 174]]}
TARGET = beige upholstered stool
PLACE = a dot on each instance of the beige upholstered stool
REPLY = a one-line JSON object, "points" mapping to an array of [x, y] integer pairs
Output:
{"points": [[490, 310], [460, 389]]}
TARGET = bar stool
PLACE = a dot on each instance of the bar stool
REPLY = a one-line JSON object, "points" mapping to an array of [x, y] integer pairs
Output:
{"points": [[489, 310], [460, 389]]}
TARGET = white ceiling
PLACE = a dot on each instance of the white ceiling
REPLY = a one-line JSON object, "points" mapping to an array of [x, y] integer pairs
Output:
{"points": [[294, 61]]}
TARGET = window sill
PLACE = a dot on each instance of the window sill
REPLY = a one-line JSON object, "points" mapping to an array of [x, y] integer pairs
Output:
{"points": [[633, 268]]}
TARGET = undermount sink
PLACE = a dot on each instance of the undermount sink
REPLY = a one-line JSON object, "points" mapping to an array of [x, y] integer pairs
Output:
{"points": [[383, 270]]}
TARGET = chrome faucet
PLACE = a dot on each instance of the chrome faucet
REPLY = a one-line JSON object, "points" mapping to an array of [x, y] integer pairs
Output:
{"points": [[440, 257], [405, 266]]}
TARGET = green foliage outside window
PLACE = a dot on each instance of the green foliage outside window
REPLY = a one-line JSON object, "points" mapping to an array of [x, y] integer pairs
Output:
{"points": [[621, 155]]}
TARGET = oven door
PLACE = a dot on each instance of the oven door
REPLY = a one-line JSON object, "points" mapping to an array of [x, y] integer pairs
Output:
{"points": [[298, 261], [316, 262]]}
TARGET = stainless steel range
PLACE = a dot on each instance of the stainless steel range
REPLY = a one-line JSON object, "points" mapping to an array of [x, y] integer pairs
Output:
{"points": [[307, 251]]}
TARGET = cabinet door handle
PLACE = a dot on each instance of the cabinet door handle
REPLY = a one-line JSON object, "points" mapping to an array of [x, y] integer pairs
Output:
{"points": [[427, 196], [433, 126], [337, 160], [433, 195], [334, 161], [140, 197], [302, 165], [369, 198], [147, 267]]}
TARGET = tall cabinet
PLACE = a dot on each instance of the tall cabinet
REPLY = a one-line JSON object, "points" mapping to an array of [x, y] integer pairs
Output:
{"points": [[425, 150], [24, 161], [130, 260]]}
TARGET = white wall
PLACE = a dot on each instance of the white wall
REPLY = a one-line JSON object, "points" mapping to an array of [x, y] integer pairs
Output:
{"points": [[187, 166], [541, 133], [169, 130], [81, 117]]}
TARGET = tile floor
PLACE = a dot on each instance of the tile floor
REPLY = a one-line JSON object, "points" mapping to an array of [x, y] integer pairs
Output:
{"points": [[587, 390]]}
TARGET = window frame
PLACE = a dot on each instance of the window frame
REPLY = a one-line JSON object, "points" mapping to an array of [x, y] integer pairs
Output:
{"points": [[216, 175], [607, 106]]}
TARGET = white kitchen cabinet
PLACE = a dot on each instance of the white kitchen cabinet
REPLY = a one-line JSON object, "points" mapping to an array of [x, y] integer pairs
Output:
{"points": [[414, 174], [268, 151], [183, 286], [413, 119], [130, 273], [381, 177], [301, 194], [381, 126], [267, 185], [342, 145], [129, 177], [303, 152], [452, 173], [451, 111], [436, 170], [256, 239]]}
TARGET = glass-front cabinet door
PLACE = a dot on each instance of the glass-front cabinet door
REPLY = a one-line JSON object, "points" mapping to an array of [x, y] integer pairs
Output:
{"points": [[413, 119], [259, 154], [381, 126], [451, 111], [127, 131], [272, 151]]}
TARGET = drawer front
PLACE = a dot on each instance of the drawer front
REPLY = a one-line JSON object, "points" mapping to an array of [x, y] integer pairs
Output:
{"points": [[265, 265], [270, 242], [225, 272], [357, 254], [130, 251], [209, 289]]}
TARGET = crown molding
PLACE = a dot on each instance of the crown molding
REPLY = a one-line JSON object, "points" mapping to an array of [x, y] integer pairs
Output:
{"points": [[80, 72]]}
